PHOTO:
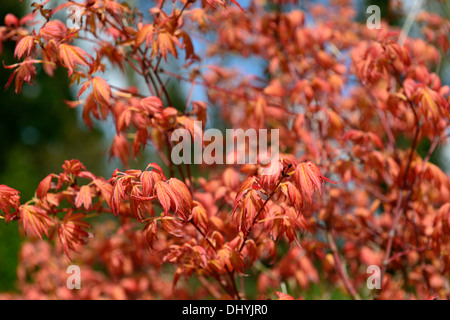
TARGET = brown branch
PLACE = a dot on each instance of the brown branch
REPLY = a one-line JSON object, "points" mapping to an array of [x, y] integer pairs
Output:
{"points": [[397, 211], [340, 267], [212, 290], [284, 175], [229, 273]]}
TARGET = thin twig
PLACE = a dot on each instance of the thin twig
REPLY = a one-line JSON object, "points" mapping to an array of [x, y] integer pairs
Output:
{"points": [[284, 175], [340, 267]]}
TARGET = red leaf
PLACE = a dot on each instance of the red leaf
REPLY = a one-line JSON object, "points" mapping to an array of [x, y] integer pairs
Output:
{"points": [[69, 56], [53, 30], [34, 220], [166, 196], [200, 217], [25, 72], [9, 199], [117, 195], [106, 190], [84, 197], [153, 105], [150, 232], [101, 91], [156, 168], [71, 232], [147, 183], [166, 42], [184, 196], [308, 178], [44, 186], [145, 34], [24, 46]]}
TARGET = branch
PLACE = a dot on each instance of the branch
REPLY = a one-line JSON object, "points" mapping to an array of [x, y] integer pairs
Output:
{"points": [[263, 206], [398, 212], [340, 267]]}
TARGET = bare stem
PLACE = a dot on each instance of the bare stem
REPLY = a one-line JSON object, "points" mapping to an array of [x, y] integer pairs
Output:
{"points": [[340, 267]]}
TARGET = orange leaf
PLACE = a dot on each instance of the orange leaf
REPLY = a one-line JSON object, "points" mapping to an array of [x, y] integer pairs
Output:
{"points": [[166, 196], [200, 217], [116, 197], [144, 34], [101, 91], [71, 232], [24, 46], [106, 190], [84, 197], [183, 195], [166, 42], [152, 105], [25, 72], [9, 198], [147, 183], [150, 232], [44, 186], [69, 56], [308, 178], [34, 220]]}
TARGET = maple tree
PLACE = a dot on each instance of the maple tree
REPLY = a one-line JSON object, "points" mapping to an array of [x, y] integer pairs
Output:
{"points": [[345, 194]]}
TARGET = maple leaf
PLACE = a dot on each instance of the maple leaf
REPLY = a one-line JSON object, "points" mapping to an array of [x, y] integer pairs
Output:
{"points": [[153, 105], [308, 177], [101, 91], [183, 195], [24, 47], [44, 186], [363, 138], [34, 220], [73, 166], [156, 168], [84, 197], [166, 43], [9, 199], [147, 183], [105, 188], [120, 148], [53, 30], [293, 194], [150, 232], [200, 217], [145, 34], [118, 193], [72, 232], [167, 196], [252, 204], [11, 20], [432, 103], [140, 140], [70, 55], [229, 259], [172, 225], [25, 72]]}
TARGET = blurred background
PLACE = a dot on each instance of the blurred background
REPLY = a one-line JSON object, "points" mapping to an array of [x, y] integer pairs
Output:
{"points": [[38, 131]]}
